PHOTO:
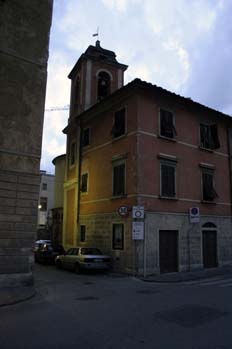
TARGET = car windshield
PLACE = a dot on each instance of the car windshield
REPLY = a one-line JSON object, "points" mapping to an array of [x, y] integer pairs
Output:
{"points": [[90, 251]]}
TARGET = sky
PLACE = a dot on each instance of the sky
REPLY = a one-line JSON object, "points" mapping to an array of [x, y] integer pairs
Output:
{"points": [[183, 46]]}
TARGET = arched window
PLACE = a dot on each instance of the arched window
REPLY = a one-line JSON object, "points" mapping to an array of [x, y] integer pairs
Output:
{"points": [[103, 85], [209, 225]]}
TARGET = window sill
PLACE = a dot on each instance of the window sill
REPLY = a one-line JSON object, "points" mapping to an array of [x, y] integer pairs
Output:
{"points": [[114, 139], [168, 198], [123, 196], [206, 149], [167, 138], [208, 202]]}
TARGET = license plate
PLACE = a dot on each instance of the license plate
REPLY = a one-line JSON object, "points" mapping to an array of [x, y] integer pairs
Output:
{"points": [[98, 260]]}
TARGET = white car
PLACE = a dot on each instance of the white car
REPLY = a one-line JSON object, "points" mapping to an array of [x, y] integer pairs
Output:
{"points": [[83, 258]]}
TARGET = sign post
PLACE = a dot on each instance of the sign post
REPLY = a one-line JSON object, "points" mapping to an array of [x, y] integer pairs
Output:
{"points": [[138, 231]]}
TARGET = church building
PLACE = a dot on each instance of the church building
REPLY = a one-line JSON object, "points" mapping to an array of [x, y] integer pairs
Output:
{"points": [[148, 172]]}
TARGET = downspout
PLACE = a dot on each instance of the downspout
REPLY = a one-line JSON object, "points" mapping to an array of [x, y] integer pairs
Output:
{"points": [[79, 137], [229, 145]]}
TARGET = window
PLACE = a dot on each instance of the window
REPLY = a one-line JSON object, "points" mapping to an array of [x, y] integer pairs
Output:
{"points": [[103, 87], [72, 154], [209, 136], [119, 178], [208, 191], [75, 93], [167, 128], [168, 179], [73, 252], [119, 127], [85, 137], [82, 233], [84, 183], [44, 186], [118, 237], [43, 204]]}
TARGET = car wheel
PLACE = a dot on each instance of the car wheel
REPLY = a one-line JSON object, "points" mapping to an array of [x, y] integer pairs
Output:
{"points": [[58, 265], [77, 268]]}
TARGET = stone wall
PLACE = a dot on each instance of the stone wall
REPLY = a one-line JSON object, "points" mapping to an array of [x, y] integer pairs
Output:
{"points": [[131, 259], [99, 234], [189, 240], [24, 39]]}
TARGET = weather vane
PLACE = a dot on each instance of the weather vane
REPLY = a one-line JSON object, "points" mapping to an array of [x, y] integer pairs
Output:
{"points": [[97, 33]]}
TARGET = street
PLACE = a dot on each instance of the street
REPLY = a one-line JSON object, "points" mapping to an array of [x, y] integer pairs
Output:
{"points": [[114, 311]]}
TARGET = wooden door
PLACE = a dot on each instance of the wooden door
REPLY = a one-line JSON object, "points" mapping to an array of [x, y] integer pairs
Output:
{"points": [[209, 241], [168, 251]]}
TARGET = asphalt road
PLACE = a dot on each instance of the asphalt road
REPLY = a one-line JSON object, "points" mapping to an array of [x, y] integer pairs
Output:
{"points": [[107, 311]]}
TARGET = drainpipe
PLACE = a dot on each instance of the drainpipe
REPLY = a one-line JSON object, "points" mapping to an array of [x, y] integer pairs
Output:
{"points": [[79, 137], [229, 145]]}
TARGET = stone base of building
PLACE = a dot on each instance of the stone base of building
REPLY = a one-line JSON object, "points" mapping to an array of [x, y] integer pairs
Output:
{"points": [[16, 288], [185, 239]]}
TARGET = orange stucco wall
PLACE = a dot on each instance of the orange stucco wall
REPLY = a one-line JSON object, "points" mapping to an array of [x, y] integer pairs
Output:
{"points": [[141, 146], [189, 156], [70, 214], [97, 161]]}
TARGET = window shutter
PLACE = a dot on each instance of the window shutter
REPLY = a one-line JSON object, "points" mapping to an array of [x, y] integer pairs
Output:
{"points": [[167, 128], [208, 190], [168, 180], [84, 182], [85, 137], [119, 123], [214, 137], [119, 180], [205, 136]]}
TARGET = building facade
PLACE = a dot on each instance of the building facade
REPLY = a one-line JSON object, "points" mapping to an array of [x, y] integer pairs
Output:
{"points": [[140, 145], [45, 204], [56, 213], [24, 39]]}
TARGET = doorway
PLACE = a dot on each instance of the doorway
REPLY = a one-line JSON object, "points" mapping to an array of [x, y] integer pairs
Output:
{"points": [[168, 251], [209, 248]]}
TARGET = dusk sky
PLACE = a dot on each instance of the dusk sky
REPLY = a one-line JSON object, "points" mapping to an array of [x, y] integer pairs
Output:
{"points": [[184, 46]]}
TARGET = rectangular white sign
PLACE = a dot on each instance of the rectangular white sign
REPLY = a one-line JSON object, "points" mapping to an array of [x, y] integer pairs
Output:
{"points": [[137, 230]]}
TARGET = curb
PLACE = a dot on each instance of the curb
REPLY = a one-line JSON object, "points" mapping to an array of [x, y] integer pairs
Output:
{"points": [[186, 277], [14, 295]]}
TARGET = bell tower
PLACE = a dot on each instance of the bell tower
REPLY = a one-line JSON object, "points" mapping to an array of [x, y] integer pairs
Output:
{"points": [[95, 75]]}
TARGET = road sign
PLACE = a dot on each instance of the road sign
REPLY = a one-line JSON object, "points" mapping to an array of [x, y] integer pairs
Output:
{"points": [[137, 230], [123, 211], [194, 215], [138, 212]]}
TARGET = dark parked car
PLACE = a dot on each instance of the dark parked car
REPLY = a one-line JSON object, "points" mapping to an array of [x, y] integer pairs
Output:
{"points": [[45, 252], [83, 258]]}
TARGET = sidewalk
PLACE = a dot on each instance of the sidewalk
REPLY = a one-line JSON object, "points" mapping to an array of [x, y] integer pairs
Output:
{"points": [[13, 295], [190, 275]]}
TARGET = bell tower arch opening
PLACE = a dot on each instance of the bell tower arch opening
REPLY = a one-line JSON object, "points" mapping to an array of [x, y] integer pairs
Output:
{"points": [[96, 75], [103, 85]]}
